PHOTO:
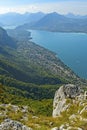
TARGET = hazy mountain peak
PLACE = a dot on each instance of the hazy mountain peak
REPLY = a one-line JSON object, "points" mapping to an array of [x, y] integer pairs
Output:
{"points": [[75, 16], [55, 14]]}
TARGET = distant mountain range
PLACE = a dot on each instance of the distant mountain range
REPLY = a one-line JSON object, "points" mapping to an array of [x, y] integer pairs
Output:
{"points": [[15, 19], [58, 23], [51, 22], [71, 15]]}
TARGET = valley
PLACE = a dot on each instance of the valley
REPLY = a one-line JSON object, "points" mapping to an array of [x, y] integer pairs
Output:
{"points": [[69, 47], [28, 66], [38, 91]]}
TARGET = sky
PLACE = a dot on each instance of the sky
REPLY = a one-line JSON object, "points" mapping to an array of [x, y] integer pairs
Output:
{"points": [[60, 6]]}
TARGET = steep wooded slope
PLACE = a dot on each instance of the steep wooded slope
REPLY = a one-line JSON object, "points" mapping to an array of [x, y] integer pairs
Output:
{"points": [[32, 68]]}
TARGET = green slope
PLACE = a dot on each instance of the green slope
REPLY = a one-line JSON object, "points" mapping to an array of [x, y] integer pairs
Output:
{"points": [[35, 71]]}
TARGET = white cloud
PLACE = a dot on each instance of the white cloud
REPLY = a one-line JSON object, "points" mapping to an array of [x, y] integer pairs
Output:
{"points": [[4, 10], [66, 7], [19, 9], [60, 7]]}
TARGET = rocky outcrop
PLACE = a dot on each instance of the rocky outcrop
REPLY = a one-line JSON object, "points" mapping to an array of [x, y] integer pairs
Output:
{"points": [[70, 108], [9, 124], [55, 128], [10, 112], [62, 94]]}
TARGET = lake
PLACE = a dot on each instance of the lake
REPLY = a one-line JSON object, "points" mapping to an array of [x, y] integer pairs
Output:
{"points": [[71, 48]]}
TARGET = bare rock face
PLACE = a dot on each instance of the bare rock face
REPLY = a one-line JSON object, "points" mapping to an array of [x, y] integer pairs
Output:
{"points": [[55, 128], [9, 124], [61, 95]]}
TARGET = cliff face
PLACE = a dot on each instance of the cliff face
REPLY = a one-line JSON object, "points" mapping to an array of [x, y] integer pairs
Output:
{"points": [[65, 92], [70, 103]]}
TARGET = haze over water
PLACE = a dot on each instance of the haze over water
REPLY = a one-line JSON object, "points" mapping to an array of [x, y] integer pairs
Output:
{"points": [[71, 48]]}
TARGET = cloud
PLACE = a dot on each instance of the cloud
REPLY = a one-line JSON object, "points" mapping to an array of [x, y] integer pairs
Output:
{"points": [[19, 9], [60, 7], [65, 7]]}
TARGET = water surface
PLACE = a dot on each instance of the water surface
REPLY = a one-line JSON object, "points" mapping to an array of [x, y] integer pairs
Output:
{"points": [[71, 48]]}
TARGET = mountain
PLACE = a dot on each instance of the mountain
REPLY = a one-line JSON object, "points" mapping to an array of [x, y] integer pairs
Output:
{"points": [[71, 15], [48, 21], [5, 40], [33, 17], [32, 70], [29, 77], [15, 19], [58, 23], [19, 34], [51, 22], [11, 19]]}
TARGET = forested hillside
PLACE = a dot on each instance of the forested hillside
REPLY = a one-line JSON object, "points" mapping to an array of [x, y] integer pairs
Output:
{"points": [[29, 77], [35, 71]]}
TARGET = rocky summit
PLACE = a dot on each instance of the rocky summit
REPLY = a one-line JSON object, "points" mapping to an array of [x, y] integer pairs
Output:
{"points": [[70, 108], [64, 93], [9, 124]]}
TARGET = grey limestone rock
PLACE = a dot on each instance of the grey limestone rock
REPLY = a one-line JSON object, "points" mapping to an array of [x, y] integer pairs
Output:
{"points": [[71, 91], [9, 124], [62, 94], [55, 128]]}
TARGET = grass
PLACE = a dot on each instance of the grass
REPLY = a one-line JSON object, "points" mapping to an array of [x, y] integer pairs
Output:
{"points": [[39, 114]]}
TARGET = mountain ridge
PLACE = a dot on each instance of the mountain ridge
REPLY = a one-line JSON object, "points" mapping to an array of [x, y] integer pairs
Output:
{"points": [[5, 39], [58, 23], [15, 19], [29, 77]]}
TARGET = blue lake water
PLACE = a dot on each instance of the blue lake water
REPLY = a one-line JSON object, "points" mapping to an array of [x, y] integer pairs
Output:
{"points": [[71, 48]]}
